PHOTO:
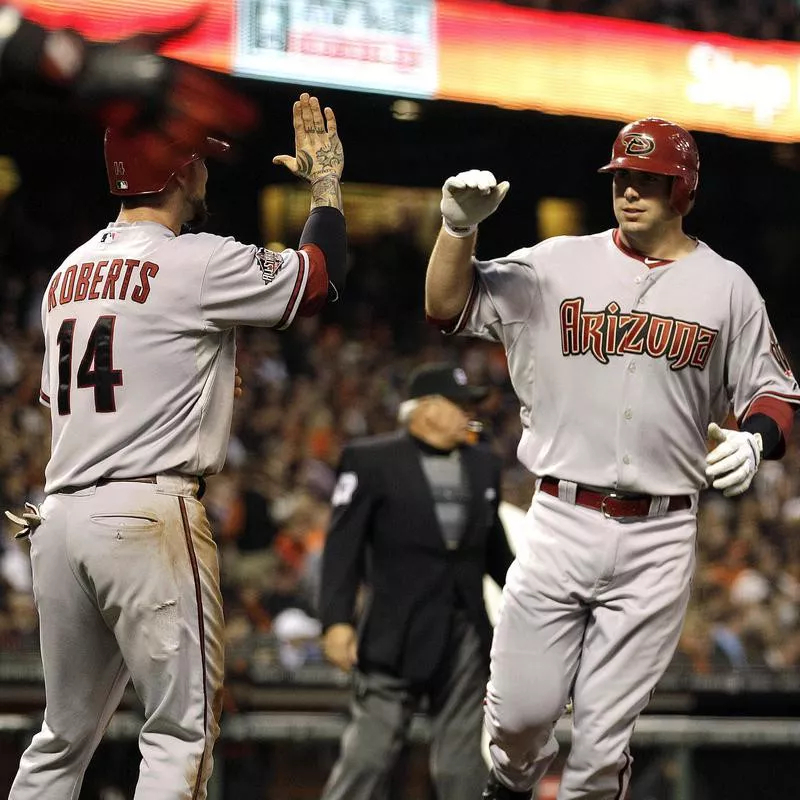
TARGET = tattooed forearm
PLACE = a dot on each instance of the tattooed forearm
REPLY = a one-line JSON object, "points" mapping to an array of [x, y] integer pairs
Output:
{"points": [[326, 191]]}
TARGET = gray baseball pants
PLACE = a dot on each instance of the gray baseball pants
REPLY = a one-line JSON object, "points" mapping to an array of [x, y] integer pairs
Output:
{"points": [[593, 612]]}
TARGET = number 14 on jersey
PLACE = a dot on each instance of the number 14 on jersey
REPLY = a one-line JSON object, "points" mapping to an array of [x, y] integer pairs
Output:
{"points": [[96, 369]]}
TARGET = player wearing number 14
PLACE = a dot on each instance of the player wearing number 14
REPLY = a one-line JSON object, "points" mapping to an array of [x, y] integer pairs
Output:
{"points": [[139, 375]]}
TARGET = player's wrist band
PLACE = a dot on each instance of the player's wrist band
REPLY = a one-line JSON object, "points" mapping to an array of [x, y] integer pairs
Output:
{"points": [[325, 228], [772, 442], [458, 233]]}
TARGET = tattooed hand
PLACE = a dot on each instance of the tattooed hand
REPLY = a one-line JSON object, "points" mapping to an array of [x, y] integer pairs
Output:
{"points": [[319, 157]]}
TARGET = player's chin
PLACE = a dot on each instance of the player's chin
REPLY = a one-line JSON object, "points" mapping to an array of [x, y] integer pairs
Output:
{"points": [[632, 224]]}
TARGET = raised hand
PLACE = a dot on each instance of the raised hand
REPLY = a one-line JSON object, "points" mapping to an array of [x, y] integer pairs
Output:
{"points": [[319, 156], [469, 197]]}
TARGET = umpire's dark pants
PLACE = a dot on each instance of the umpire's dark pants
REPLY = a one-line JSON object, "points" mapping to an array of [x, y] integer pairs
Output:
{"points": [[381, 713]]}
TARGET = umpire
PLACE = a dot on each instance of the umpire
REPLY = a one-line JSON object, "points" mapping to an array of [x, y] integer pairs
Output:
{"points": [[415, 520]]}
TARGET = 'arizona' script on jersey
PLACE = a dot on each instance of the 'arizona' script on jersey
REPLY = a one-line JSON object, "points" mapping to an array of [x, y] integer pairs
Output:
{"points": [[609, 333]]}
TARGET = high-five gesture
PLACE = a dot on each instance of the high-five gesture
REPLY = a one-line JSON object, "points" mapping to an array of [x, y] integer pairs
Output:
{"points": [[319, 156]]}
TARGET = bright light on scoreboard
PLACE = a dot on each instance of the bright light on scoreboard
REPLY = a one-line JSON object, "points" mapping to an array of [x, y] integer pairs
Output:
{"points": [[476, 51]]}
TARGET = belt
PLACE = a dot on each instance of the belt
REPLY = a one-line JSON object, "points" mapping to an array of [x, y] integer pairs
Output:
{"points": [[616, 505], [151, 479], [148, 479]]}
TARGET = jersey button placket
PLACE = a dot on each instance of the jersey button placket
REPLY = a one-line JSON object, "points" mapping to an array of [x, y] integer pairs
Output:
{"points": [[626, 432]]}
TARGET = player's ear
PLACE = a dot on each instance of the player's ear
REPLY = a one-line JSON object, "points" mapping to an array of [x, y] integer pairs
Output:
{"points": [[183, 175]]}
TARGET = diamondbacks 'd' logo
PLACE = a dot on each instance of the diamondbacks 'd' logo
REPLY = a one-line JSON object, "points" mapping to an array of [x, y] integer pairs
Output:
{"points": [[609, 333], [269, 263], [638, 144]]}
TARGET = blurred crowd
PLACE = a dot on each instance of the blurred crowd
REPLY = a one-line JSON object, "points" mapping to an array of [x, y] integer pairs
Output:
{"points": [[752, 19], [309, 390], [306, 392]]}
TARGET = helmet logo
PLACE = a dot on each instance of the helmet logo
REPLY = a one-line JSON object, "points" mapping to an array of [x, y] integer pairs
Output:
{"points": [[119, 168], [638, 144]]}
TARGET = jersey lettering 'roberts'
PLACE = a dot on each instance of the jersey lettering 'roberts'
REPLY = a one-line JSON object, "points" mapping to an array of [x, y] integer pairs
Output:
{"points": [[98, 281]]}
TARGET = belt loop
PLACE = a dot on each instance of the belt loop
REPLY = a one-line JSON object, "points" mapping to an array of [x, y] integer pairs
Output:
{"points": [[567, 491], [658, 506]]}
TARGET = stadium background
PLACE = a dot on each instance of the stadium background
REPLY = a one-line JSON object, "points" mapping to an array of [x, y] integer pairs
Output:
{"points": [[326, 380]]}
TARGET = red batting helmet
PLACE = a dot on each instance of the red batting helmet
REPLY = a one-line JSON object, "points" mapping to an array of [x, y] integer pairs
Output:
{"points": [[655, 145], [131, 171]]}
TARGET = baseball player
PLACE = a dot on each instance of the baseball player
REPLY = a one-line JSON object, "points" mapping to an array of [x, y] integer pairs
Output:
{"points": [[626, 350], [138, 368]]}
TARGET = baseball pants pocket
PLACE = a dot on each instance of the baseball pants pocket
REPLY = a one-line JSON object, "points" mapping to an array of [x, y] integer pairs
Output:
{"points": [[129, 522]]}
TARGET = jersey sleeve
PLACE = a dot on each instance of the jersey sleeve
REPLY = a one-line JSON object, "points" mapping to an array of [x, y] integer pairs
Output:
{"points": [[759, 375], [44, 387], [249, 285], [501, 299]]}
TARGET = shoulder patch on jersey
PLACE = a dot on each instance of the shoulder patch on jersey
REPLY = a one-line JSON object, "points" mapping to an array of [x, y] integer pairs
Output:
{"points": [[779, 355], [269, 263]]}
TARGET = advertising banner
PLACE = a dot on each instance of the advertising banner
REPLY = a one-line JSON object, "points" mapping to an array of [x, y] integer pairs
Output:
{"points": [[386, 46], [600, 67], [475, 51]]}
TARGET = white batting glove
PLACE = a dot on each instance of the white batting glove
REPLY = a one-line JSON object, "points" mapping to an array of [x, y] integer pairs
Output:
{"points": [[468, 198], [733, 463]]}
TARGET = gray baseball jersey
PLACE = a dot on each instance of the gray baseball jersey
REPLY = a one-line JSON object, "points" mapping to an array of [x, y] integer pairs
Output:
{"points": [[139, 376], [658, 351], [140, 347], [619, 362]]}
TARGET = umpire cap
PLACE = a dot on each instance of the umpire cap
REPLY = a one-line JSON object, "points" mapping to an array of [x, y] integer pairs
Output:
{"points": [[446, 380], [130, 170]]}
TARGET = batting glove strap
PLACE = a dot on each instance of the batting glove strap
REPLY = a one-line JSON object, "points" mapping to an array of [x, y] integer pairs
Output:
{"points": [[458, 233], [733, 463]]}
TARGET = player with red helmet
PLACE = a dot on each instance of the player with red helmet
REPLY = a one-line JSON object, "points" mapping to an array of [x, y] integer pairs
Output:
{"points": [[662, 148], [627, 349], [139, 328]]}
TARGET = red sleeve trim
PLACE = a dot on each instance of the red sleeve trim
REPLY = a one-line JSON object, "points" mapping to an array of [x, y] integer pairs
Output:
{"points": [[44, 398], [316, 292], [456, 324], [778, 410], [291, 307]]}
